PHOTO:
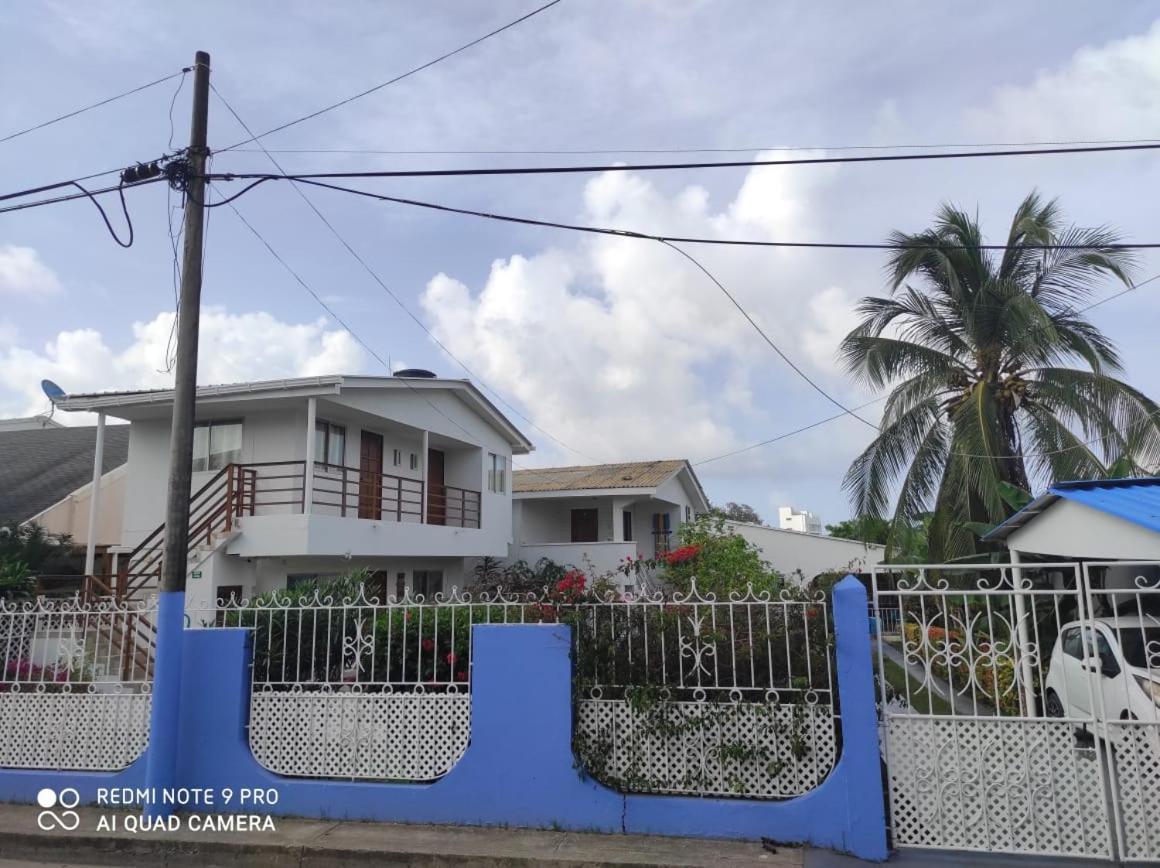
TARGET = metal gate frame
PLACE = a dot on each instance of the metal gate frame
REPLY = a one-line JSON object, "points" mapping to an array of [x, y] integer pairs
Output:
{"points": [[1131, 723], [996, 773]]}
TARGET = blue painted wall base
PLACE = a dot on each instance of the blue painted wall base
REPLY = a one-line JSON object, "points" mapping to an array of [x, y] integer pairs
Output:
{"points": [[519, 768]]}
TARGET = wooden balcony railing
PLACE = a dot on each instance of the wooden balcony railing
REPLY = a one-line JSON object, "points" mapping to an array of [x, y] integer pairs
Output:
{"points": [[349, 492]]}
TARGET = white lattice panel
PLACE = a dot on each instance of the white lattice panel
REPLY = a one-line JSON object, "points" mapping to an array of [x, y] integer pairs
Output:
{"points": [[377, 736], [995, 785], [73, 731], [742, 749], [1137, 760]]}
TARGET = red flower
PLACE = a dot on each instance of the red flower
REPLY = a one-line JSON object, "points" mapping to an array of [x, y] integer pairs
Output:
{"points": [[450, 658], [679, 556], [428, 645], [461, 675]]}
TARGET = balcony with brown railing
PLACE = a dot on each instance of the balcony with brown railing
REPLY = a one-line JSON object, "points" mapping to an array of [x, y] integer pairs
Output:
{"points": [[278, 488]]}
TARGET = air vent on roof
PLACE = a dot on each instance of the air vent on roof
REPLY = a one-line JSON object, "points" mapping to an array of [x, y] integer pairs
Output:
{"points": [[420, 373]]}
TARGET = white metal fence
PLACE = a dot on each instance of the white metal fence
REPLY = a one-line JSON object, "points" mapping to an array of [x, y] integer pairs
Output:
{"points": [[76, 682], [1020, 707], [677, 694]]}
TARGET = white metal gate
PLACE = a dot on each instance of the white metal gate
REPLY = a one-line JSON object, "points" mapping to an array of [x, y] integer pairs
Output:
{"points": [[988, 745]]}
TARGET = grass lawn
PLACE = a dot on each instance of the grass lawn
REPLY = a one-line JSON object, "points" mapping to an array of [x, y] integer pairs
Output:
{"points": [[921, 700]]}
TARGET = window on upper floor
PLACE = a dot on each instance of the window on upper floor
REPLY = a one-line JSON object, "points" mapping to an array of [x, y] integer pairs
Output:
{"points": [[414, 461], [216, 444], [688, 513], [397, 457], [497, 473], [329, 443]]}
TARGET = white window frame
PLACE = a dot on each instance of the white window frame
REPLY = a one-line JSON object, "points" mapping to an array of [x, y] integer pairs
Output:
{"points": [[497, 473], [205, 462]]}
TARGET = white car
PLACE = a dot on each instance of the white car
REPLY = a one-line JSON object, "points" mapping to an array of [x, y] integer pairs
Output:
{"points": [[1106, 669]]}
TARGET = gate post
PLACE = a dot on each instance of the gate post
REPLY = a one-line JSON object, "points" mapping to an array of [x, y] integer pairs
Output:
{"points": [[860, 753]]}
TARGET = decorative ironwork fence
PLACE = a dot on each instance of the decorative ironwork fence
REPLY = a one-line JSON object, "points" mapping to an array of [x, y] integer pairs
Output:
{"points": [[75, 688], [688, 693], [678, 694], [985, 742]]}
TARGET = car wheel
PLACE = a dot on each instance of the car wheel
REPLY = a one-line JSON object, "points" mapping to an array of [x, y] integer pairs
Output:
{"points": [[1054, 707]]}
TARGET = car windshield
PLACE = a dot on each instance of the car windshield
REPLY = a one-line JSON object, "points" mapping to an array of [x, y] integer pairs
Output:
{"points": [[1140, 644]]}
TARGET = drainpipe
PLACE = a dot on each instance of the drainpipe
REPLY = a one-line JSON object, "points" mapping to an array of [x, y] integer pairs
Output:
{"points": [[95, 496], [308, 472], [1026, 673]]}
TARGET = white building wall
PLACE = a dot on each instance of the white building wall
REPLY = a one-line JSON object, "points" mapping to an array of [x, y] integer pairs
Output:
{"points": [[800, 521], [1068, 529], [803, 556], [71, 515]]}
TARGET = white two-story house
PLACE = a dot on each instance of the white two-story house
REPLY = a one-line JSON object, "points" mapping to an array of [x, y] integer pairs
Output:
{"points": [[406, 476], [600, 514]]}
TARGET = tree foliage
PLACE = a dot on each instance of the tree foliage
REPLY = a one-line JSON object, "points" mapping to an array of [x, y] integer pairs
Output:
{"points": [[994, 375], [742, 512]]}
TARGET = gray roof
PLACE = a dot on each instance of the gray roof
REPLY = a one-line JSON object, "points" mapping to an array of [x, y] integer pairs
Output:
{"points": [[42, 466]]}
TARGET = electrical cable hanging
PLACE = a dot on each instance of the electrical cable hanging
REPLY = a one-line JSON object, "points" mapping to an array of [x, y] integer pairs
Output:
{"points": [[397, 78], [84, 109], [383, 285], [664, 167]]}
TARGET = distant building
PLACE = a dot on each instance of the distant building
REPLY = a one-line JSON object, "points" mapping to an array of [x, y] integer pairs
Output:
{"points": [[789, 518]]}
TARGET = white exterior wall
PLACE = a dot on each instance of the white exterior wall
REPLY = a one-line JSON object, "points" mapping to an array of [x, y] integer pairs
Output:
{"points": [[802, 521], [803, 556], [1067, 529], [71, 515]]}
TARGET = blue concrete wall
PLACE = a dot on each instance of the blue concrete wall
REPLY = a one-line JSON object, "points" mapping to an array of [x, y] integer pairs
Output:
{"points": [[519, 768]]}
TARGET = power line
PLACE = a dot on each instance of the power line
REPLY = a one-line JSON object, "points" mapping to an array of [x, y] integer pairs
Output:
{"points": [[813, 383], [89, 194], [382, 284], [84, 109], [654, 167], [836, 416], [557, 152], [725, 242], [397, 78]]}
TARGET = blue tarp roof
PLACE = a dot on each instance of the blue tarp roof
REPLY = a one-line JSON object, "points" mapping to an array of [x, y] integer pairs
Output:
{"points": [[1134, 500]]}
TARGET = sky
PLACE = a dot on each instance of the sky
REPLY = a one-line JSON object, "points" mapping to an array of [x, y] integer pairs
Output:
{"points": [[600, 349]]}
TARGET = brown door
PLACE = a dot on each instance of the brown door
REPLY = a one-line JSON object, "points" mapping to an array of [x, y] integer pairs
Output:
{"points": [[370, 476], [436, 488], [585, 525]]}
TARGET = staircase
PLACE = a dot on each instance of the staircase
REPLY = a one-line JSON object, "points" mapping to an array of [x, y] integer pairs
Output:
{"points": [[213, 512]]}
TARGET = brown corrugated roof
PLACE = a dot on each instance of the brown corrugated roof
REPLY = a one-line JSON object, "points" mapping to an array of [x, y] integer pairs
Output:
{"points": [[629, 474]]}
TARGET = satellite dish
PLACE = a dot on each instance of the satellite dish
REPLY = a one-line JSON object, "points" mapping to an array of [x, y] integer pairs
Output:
{"points": [[52, 390]]}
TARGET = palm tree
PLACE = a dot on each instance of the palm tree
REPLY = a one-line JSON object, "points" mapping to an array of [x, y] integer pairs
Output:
{"points": [[996, 380]]}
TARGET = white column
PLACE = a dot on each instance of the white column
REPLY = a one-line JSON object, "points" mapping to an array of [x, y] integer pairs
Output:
{"points": [[1023, 636], [423, 471], [95, 496], [308, 473]]}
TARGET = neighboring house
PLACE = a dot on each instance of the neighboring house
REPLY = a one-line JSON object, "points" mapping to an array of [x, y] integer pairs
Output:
{"points": [[600, 514], [801, 521], [301, 478], [801, 556], [41, 468], [1098, 520]]}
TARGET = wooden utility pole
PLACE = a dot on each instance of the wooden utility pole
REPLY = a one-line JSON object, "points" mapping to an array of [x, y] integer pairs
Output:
{"points": [[173, 565], [165, 714]]}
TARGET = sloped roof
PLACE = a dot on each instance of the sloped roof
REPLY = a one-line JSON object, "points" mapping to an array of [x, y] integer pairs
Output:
{"points": [[628, 474], [1134, 500], [40, 467]]}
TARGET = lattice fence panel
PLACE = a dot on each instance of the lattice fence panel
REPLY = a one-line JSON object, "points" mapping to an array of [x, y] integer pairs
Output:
{"points": [[1137, 761], [1012, 786], [73, 731], [375, 736], [710, 749]]}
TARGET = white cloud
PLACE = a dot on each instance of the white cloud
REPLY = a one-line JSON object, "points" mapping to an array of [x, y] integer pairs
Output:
{"points": [[22, 272], [234, 348], [832, 316], [1113, 89], [624, 349]]}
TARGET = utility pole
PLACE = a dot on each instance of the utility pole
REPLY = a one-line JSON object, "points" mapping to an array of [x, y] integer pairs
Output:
{"points": [[161, 769]]}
